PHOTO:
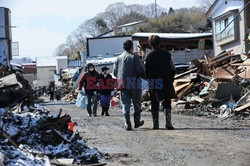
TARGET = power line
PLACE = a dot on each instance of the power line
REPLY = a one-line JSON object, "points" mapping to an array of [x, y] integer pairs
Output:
{"points": [[235, 17]]}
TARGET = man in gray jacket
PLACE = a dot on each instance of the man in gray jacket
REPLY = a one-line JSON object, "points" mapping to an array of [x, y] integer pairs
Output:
{"points": [[128, 69]]}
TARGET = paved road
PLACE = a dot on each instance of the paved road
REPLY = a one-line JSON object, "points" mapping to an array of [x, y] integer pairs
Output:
{"points": [[196, 141]]}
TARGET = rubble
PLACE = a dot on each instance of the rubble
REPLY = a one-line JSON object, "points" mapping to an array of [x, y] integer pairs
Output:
{"points": [[68, 92], [35, 137], [215, 87], [31, 135]]}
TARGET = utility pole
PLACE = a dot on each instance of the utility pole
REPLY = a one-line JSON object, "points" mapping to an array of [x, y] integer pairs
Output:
{"points": [[155, 9]]}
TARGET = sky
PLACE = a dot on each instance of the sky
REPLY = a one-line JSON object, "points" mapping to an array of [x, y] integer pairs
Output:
{"points": [[42, 25]]}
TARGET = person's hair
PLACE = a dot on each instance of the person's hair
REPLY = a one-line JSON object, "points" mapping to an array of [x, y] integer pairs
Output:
{"points": [[154, 41], [89, 65], [127, 45]]}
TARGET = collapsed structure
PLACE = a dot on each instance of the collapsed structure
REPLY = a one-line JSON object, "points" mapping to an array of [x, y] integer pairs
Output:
{"points": [[216, 86]]}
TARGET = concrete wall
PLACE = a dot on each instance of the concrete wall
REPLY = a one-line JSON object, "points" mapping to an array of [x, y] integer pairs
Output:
{"points": [[45, 75], [30, 78], [61, 64]]}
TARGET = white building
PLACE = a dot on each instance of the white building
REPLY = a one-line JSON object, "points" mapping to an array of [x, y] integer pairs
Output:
{"points": [[102, 46], [231, 21], [47, 67]]}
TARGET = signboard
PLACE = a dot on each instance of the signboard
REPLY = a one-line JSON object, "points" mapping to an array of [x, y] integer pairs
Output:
{"points": [[15, 49]]}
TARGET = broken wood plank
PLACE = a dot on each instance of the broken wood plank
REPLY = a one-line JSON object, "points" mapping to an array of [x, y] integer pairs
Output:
{"points": [[240, 64], [179, 82], [197, 63], [186, 73], [180, 87], [243, 107], [185, 91], [222, 55]]}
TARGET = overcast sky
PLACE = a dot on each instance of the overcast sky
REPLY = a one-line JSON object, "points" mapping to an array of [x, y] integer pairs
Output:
{"points": [[42, 25]]}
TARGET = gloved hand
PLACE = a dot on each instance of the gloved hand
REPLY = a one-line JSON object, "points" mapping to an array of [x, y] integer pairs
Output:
{"points": [[112, 93]]}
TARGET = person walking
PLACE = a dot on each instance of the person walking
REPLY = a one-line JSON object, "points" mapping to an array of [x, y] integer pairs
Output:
{"points": [[160, 71], [57, 94], [87, 86], [106, 87], [51, 94], [128, 69]]}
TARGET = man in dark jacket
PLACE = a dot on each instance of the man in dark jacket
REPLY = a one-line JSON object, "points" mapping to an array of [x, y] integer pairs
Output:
{"points": [[87, 86], [160, 71], [128, 69], [106, 87]]}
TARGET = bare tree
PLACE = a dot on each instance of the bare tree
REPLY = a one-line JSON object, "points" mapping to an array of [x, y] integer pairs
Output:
{"points": [[62, 50], [205, 4]]}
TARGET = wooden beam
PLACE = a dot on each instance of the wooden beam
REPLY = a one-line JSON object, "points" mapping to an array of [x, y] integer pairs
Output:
{"points": [[186, 73], [243, 107], [185, 91]]}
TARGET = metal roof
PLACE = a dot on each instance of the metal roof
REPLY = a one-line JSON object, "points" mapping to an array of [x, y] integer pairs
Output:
{"points": [[173, 36], [48, 61]]}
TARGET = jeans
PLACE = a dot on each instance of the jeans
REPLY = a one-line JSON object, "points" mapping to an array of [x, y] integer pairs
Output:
{"points": [[126, 96], [92, 100]]}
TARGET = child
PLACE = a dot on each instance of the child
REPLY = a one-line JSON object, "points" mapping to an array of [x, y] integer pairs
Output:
{"points": [[106, 85]]}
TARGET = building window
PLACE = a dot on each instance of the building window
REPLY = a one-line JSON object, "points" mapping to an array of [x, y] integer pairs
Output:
{"points": [[220, 26]]}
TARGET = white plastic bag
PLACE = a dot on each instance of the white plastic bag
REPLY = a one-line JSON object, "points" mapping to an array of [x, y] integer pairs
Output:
{"points": [[81, 101]]}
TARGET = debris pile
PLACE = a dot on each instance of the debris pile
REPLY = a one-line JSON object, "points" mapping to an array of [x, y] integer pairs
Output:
{"points": [[216, 87], [68, 92], [15, 89], [30, 135], [34, 135]]}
